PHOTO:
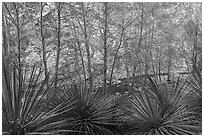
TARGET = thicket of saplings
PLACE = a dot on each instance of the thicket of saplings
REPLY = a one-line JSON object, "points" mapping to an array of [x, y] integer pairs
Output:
{"points": [[33, 104]]}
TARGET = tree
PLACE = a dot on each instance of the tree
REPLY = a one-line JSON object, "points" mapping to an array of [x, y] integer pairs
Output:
{"points": [[59, 9], [139, 45], [54, 52], [83, 6], [80, 53], [104, 42], [42, 38], [15, 18]]}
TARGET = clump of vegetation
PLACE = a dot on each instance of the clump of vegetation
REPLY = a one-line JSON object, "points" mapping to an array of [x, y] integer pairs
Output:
{"points": [[23, 103], [45, 110], [87, 68], [156, 111], [94, 113]]}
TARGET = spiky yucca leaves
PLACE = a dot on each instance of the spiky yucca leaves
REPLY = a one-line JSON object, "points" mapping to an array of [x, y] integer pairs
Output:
{"points": [[195, 81], [22, 103], [195, 99], [94, 113], [157, 112]]}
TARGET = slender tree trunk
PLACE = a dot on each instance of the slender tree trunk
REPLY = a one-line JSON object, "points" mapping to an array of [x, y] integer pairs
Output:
{"points": [[115, 57], [105, 45], [83, 66], [87, 48], [148, 57], [169, 64], [80, 53], [159, 67], [195, 48], [146, 65], [138, 51], [126, 64], [4, 36], [169, 71], [19, 94], [151, 57], [19, 45], [43, 41], [77, 67], [59, 8], [6, 43]]}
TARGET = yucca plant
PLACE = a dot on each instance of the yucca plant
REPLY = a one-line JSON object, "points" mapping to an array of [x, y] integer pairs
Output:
{"points": [[156, 111], [195, 81], [23, 100], [94, 113], [195, 99]]}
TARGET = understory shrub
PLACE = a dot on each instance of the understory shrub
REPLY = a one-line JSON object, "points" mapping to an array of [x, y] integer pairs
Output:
{"points": [[33, 105], [156, 111]]}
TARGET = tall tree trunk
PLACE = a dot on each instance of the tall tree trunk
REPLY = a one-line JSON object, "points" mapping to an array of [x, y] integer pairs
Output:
{"points": [[159, 62], [169, 62], [77, 67], [105, 45], [115, 56], [43, 41], [169, 71], [83, 64], [6, 34], [20, 92], [81, 56], [4, 38], [59, 8], [19, 44], [126, 64], [6, 43], [87, 47], [195, 48], [80, 53], [139, 45], [151, 43], [146, 64]]}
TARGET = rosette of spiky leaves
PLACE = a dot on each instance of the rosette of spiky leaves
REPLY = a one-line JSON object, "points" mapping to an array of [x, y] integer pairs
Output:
{"points": [[154, 110], [23, 102], [94, 113], [195, 99], [195, 81]]}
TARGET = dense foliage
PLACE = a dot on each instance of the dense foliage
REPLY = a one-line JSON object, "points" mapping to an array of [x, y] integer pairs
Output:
{"points": [[101, 68]]}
